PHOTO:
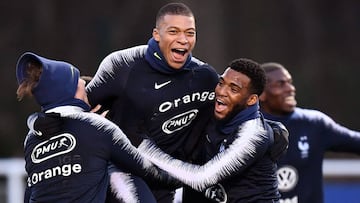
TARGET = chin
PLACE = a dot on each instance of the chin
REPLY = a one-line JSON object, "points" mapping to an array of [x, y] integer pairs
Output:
{"points": [[220, 116], [217, 117]]}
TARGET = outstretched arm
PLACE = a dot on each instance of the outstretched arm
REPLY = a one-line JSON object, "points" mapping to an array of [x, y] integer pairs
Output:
{"points": [[251, 143]]}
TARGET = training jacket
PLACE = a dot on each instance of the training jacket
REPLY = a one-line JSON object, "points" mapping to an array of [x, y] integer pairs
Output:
{"points": [[311, 134], [71, 166], [239, 161], [171, 108]]}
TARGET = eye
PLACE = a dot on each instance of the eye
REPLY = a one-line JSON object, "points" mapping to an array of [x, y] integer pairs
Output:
{"points": [[172, 32], [190, 33], [235, 90], [282, 83], [220, 83]]}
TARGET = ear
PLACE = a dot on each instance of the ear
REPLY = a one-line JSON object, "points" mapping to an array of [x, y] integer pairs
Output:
{"points": [[252, 99], [156, 34]]}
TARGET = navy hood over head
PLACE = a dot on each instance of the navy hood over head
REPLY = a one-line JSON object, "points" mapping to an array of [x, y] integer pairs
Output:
{"points": [[57, 84]]}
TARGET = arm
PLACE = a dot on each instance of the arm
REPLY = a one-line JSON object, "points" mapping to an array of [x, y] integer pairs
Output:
{"points": [[118, 147], [27, 194], [125, 156], [251, 143], [107, 81], [338, 137], [111, 76]]}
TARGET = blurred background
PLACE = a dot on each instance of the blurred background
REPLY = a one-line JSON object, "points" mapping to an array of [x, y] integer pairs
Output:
{"points": [[317, 40]]}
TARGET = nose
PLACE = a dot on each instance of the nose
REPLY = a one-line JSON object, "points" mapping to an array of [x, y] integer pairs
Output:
{"points": [[220, 90], [290, 87], [183, 38]]}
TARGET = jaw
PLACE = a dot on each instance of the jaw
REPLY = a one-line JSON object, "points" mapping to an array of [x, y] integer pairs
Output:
{"points": [[290, 102]]}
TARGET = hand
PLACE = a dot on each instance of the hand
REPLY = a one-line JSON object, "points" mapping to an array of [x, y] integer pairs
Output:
{"points": [[281, 139]]}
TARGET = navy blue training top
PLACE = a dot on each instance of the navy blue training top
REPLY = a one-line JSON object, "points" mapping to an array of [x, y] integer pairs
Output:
{"points": [[71, 166], [171, 109], [242, 165], [311, 134]]}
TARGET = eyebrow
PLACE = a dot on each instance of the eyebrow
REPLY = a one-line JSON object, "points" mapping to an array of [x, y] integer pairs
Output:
{"points": [[178, 28], [241, 86]]}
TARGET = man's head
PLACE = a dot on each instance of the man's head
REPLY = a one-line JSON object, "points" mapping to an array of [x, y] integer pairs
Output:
{"points": [[239, 87], [175, 32], [52, 83], [278, 97]]}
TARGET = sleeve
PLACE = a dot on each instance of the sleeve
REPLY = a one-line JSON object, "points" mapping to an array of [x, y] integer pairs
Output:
{"points": [[126, 157], [107, 81], [125, 187], [337, 137], [27, 194], [251, 143], [111, 76]]}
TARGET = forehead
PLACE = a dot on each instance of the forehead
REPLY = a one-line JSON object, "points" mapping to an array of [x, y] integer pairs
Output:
{"points": [[278, 74], [178, 21], [235, 77]]}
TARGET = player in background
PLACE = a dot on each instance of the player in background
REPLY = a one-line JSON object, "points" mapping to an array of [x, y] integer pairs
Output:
{"points": [[311, 134]]}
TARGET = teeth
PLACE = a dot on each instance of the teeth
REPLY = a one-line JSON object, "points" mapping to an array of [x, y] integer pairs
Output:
{"points": [[220, 102], [182, 50]]}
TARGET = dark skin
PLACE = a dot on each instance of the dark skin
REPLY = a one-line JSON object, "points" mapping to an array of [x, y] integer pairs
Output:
{"points": [[278, 97], [232, 94]]}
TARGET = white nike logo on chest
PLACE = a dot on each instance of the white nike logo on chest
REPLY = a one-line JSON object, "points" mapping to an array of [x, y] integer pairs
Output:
{"points": [[158, 86]]}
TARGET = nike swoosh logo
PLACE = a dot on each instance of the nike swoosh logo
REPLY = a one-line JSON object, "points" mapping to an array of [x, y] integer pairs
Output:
{"points": [[158, 86], [38, 132]]}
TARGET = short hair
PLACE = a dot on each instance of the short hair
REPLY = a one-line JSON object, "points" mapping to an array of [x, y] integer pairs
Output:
{"points": [[253, 70], [271, 66], [173, 9]]}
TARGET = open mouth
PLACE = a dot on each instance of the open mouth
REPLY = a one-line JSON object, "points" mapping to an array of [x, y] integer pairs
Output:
{"points": [[290, 100], [180, 51], [179, 55], [220, 105]]}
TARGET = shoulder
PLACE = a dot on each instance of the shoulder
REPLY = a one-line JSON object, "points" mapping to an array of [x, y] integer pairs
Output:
{"points": [[119, 62], [310, 114], [254, 130], [126, 56], [101, 124], [198, 64], [204, 68]]}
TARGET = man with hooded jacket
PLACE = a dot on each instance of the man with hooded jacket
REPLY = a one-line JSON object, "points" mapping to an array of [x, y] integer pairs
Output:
{"points": [[70, 162]]}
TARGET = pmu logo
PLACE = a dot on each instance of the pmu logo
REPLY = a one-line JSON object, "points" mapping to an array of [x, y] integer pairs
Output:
{"points": [[55, 146], [179, 122]]}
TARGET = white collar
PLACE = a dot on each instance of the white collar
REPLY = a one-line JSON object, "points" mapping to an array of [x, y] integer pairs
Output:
{"points": [[65, 110]]}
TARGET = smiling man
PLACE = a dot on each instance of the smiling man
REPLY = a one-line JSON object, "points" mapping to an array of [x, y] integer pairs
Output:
{"points": [[239, 164], [312, 133], [159, 90], [240, 141]]}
